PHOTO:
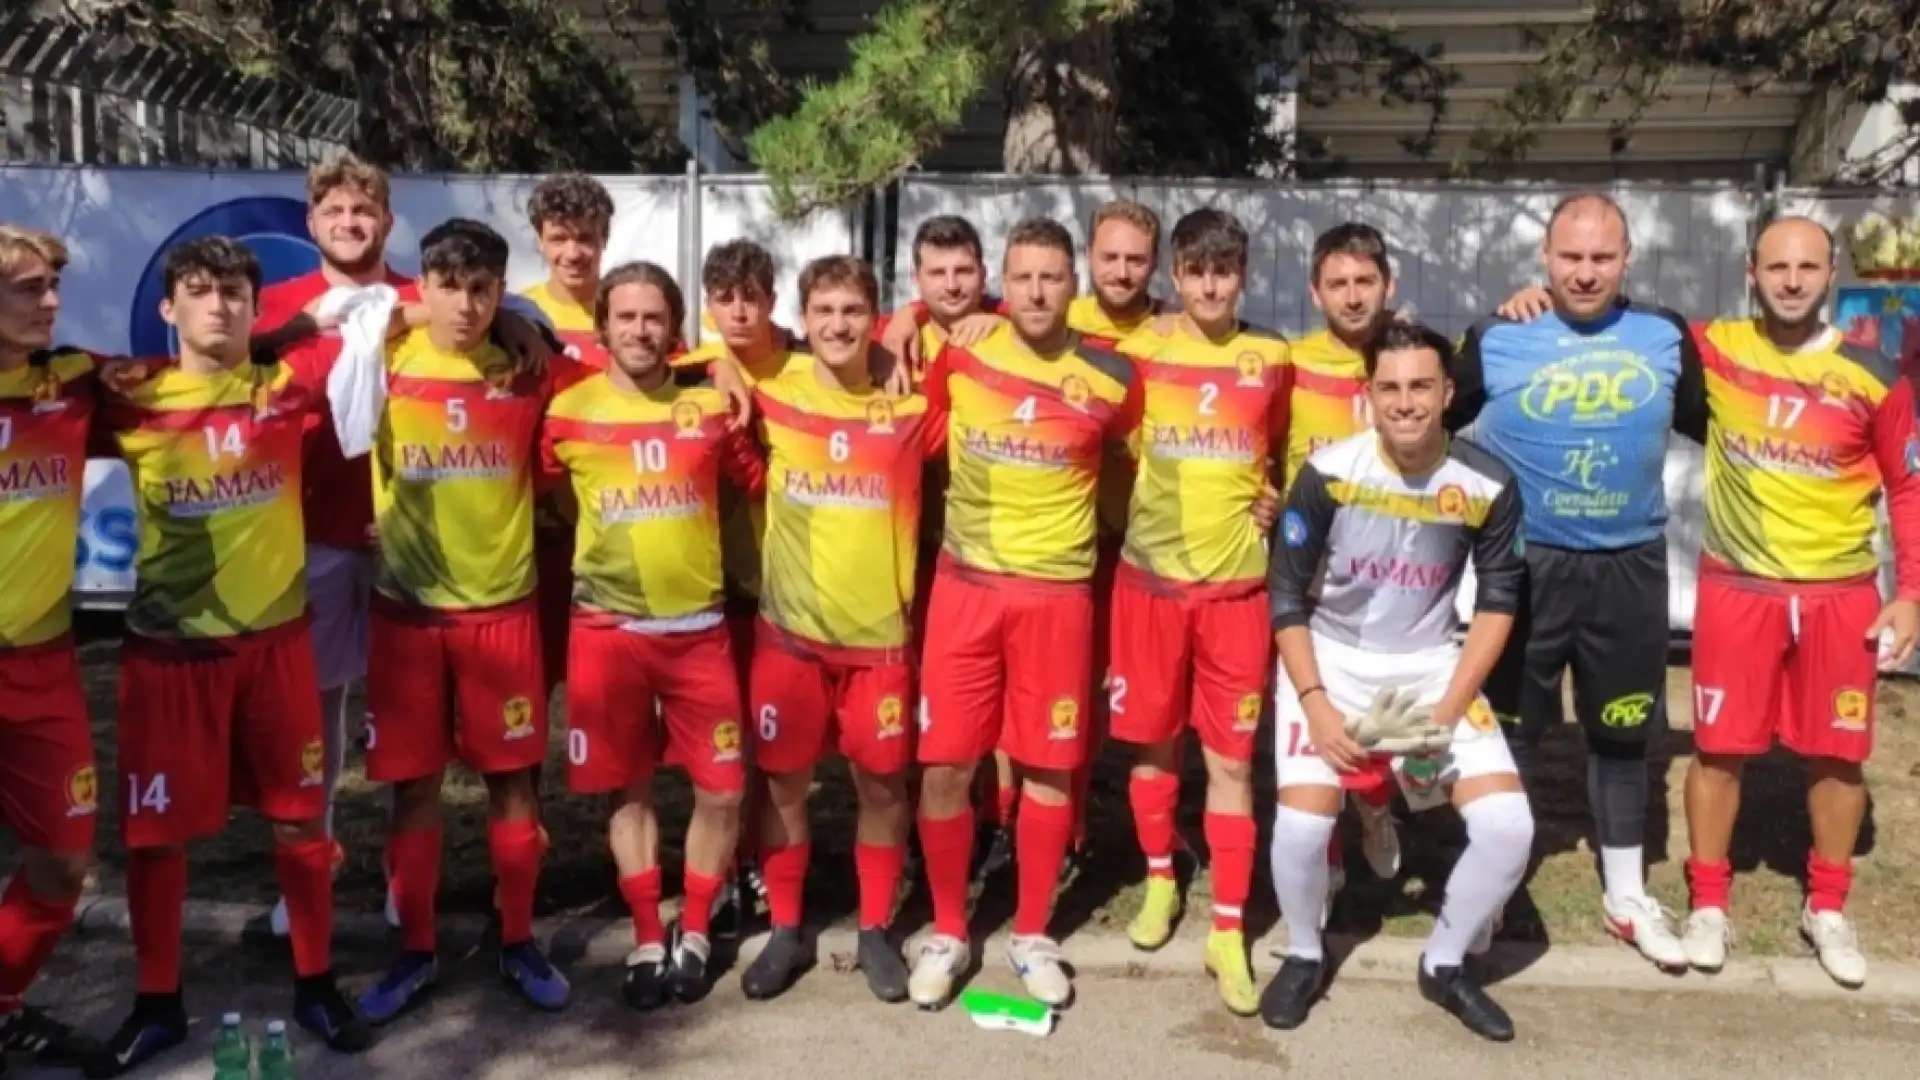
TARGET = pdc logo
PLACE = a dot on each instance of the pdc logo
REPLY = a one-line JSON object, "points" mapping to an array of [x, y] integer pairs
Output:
{"points": [[272, 226]]}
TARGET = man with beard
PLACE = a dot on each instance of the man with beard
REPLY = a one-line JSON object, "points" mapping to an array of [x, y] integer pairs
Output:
{"points": [[637, 460], [1580, 404], [349, 217], [1806, 434]]}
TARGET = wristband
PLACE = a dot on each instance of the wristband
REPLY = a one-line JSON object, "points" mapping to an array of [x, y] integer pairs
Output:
{"points": [[1301, 696]]}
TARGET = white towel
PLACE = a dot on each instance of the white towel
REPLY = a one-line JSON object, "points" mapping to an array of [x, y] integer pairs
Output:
{"points": [[357, 385]]}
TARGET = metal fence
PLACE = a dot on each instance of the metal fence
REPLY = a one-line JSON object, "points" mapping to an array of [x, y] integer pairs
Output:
{"points": [[70, 95]]}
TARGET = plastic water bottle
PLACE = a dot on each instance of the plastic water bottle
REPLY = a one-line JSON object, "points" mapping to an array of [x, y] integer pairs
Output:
{"points": [[232, 1057], [276, 1054]]}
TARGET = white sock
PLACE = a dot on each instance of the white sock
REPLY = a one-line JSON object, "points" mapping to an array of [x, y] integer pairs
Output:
{"points": [[1499, 842], [1622, 873], [1299, 861]]}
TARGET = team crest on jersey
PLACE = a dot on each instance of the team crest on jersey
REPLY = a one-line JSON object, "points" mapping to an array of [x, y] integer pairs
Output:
{"points": [[1850, 709], [83, 792], [1076, 391], [1293, 529], [726, 741], [313, 764], [499, 381], [880, 417], [1064, 720], [1834, 389], [1252, 368], [889, 717], [1451, 501], [1246, 713], [687, 418], [516, 715]]}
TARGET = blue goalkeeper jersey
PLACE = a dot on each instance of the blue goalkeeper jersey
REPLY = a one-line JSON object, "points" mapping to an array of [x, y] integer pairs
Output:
{"points": [[1581, 413]]}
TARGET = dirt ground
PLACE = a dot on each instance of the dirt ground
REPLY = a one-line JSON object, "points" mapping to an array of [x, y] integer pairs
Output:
{"points": [[1560, 903]]}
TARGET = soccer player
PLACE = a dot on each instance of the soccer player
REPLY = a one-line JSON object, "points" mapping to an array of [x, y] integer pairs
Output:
{"points": [[218, 702], [832, 667], [49, 789], [1367, 559], [1805, 435], [643, 459], [349, 218], [1580, 404], [454, 620], [1351, 283], [1189, 600], [1031, 408], [572, 215]]}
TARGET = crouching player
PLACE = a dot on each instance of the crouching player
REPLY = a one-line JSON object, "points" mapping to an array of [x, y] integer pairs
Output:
{"points": [[1390, 517], [831, 668], [645, 457]]}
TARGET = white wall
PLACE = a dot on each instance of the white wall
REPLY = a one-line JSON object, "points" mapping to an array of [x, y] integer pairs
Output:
{"points": [[1458, 249]]}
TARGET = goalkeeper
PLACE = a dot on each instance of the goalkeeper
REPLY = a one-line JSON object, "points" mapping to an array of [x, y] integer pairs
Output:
{"points": [[1367, 560]]}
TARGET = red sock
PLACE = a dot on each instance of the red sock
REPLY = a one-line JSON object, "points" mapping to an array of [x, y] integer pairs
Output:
{"points": [[414, 856], [516, 870], [785, 869], [948, 849], [1230, 840], [305, 870], [29, 929], [878, 868], [156, 893], [1154, 797], [1039, 847], [642, 893], [1710, 884], [697, 893], [1827, 883]]}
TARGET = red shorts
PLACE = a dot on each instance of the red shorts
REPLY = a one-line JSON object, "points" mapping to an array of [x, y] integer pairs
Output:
{"points": [[49, 791], [1784, 660], [807, 705], [553, 562], [207, 725], [1010, 662], [1188, 659], [466, 686], [615, 736]]}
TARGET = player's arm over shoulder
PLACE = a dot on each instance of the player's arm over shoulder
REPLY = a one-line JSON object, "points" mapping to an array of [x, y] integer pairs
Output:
{"points": [[1469, 371], [1498, 545]]}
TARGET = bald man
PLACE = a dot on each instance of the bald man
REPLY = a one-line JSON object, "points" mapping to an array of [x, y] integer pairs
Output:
{"points": [[1806, 435], [1580, 404]]}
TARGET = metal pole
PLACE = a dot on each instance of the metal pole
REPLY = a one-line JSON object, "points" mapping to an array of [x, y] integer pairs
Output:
{"points": [[690, 253]]}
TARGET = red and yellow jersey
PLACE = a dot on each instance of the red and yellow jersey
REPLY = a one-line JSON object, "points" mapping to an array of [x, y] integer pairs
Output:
{"points": [[337, 494], [572, 324], [1092, 321], [1026, 440], [1328, 401], [743, 519], [1212, 413], [46, 408], [453, 476], [1801, 447], [215, 461], [843, 510], [645, 472]]}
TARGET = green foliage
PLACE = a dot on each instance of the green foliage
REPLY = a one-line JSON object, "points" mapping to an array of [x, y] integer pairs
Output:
{"points": [[909, 82], [480, 85]]}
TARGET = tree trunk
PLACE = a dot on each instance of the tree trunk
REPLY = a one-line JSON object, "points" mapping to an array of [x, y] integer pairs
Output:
{"points": [[1062, 103]]}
